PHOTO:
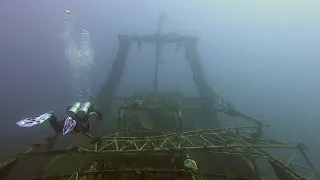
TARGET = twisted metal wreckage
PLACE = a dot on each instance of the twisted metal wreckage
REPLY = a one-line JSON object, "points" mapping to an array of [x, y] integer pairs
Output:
{"points": [[128, 153]]}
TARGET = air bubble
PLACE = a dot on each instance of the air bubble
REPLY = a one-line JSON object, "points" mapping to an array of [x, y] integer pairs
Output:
{"points": [[80, 57]]}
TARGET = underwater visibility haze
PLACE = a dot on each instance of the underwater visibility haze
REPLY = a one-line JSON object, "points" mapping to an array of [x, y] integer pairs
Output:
{"points": [[264, 56]]}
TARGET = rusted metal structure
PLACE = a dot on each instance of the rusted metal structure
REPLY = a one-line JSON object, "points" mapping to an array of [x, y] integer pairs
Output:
{"points": [[141, 154], [127, 152]]}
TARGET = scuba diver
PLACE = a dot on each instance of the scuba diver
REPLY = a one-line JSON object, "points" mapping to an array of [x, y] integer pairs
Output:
{"points": [[77, 119]]}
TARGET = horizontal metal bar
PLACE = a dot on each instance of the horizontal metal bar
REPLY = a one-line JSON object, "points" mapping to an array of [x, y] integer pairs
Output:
{"points": [[153, 171]]}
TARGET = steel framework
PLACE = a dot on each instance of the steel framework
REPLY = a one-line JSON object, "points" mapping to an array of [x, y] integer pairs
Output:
{"points": [[240, 141], [245, 142]]}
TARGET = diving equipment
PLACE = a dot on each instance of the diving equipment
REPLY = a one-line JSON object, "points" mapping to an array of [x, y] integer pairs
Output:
{"points": [[73, 110], [32, 121], [69, 125], [76, 118], [84, 109]]}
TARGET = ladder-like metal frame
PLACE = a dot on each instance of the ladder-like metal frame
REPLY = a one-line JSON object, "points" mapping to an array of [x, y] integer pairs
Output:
{"points": [[233, 140]]}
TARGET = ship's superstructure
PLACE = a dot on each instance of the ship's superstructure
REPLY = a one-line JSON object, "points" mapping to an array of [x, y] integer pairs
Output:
{"points": [[156, 136]]}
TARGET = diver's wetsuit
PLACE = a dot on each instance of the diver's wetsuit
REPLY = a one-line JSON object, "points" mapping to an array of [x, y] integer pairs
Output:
{"points": [[56, 125], [82, 124]]}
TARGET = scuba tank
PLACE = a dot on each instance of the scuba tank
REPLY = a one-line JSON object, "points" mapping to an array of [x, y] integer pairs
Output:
{"points": [[84, 109], [73, 110]]}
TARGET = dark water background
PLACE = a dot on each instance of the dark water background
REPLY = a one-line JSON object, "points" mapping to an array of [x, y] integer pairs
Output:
{"points": [[263, 56]]}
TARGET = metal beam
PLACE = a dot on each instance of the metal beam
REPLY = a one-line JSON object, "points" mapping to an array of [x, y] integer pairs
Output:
{"points": [[156, 38], [116, 174]]}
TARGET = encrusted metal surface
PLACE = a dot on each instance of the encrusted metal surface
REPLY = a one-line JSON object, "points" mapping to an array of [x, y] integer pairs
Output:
{"points": [[219, 140], [140, 173]]}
